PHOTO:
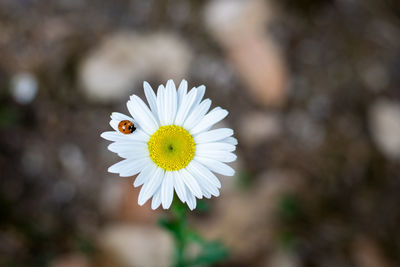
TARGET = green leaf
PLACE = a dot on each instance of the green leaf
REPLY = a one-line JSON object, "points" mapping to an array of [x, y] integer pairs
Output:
{"points": [[202, 206], [213, 252], [169, 225]]}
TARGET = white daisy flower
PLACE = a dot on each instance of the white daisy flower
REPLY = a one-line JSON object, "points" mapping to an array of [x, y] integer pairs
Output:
{"points": [[171, 146]]}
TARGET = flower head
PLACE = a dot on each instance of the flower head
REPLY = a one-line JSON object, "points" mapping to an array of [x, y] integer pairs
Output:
{"points": [[172, 148]]}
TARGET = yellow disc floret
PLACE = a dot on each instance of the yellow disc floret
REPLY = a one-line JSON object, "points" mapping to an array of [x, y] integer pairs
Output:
{"points": [[171, 147]]}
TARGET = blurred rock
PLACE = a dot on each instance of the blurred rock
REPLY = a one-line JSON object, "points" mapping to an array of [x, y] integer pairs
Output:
{"points": [[307, 132], [367, 253], [375, 77], [213, 70], [299, 88], [258, 127], [24, 87], [178, 12], [72, 260], [119, 200], [244, 221], [310, 51], [130, 211], [32, 160], [10, 243], [123, 60], [384, 123], [282, 258], [319, 107], [239, 26], [72, 159], [111, 196], [128, 245], [62, 192]]}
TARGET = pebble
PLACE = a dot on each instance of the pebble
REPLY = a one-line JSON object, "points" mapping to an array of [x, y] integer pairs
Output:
{"points": [[24, 87], [257, 127], [384, 123], [239, 27], [134, 245], [122, 61]]}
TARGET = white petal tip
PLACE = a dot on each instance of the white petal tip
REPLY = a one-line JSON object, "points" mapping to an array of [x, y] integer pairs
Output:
{"points": [[112, 170], [111, 148], [166, 207]]}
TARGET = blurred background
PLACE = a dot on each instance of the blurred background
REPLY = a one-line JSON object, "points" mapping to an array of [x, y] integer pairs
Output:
{"points": [[313, 90]]}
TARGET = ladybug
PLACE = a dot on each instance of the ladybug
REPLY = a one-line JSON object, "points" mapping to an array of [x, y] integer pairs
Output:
{"points": [[126, 127]]}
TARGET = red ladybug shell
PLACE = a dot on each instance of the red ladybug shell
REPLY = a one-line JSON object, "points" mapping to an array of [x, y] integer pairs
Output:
{"points": [[126, 127]]}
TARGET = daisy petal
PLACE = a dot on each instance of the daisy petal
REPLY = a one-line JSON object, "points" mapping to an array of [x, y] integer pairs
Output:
{"points": [[159, 89], [216, 166], [151, 186], [213, 135], [184, 107], [206, 194], [113, 136], [144, 175], [161, 105], [190, 199], [216, 146], [116, 136], [230, 140], [179, 186], [117, 167], [222, 156], [142, 115], [114, 125], [182, 90], [126, 146], [209, 120], [138, 135], [151, 99], [197, 114], [199, 170], [136, 152], [134, 167], [167, 190], [208, 189], [171, 104], [191, 183], [155, 203], [200, 94], [128, 167], [120, 117]]}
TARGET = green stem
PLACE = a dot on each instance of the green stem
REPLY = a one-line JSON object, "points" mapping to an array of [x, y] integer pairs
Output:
{"points": [[211, 252], [179, 217]]}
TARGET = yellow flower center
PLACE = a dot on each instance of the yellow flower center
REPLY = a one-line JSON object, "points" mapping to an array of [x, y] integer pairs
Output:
{"points": [[171, 147]]}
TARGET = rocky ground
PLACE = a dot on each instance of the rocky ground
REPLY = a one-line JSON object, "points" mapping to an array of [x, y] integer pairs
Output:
{"points": [[313, 93]]}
